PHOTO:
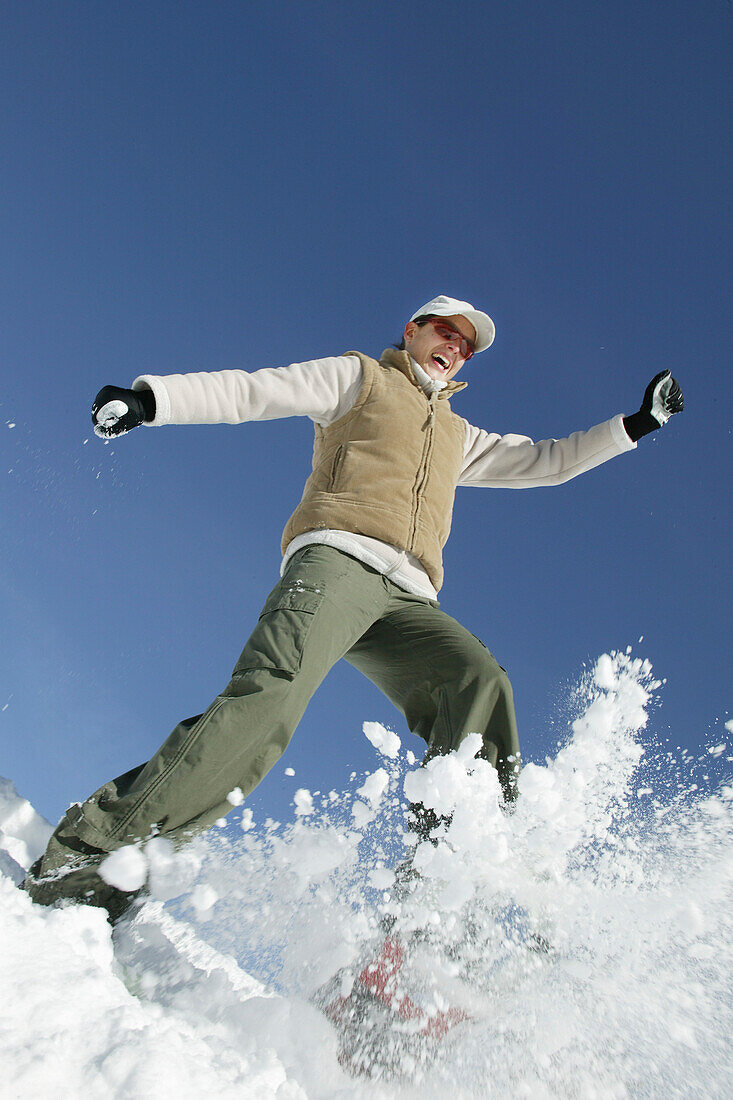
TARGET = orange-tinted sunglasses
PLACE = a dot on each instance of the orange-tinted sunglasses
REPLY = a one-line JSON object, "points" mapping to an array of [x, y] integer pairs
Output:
{"points": [[447, 332]]}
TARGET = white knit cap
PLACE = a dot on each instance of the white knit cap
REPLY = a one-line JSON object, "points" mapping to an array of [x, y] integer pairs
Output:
{"points": [[442, 306]]}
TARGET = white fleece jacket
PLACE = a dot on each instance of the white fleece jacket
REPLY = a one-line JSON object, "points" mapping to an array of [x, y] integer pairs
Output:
{"points": [[324, 390]]}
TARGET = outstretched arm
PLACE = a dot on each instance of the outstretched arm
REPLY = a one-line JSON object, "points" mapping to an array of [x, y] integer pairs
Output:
{"points": [[495, 461], [322, 389], [517, 462]]}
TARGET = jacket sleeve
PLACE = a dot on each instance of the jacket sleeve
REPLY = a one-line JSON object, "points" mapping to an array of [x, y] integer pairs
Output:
{"points": [[322, 389], [516, 462]]}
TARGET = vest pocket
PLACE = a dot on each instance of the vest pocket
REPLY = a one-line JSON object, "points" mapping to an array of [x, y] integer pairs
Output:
{"points": [[335, 465], [279, 638]]}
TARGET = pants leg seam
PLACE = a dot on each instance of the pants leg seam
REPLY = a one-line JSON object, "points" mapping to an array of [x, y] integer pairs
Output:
{"points": [[443, 707], [152, 788]]}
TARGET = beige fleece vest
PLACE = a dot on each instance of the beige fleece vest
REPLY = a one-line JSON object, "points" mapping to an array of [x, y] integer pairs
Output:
{"points": [[388, 468]]}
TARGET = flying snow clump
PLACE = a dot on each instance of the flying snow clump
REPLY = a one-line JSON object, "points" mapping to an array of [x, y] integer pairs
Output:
{"points": [[385, 741]]}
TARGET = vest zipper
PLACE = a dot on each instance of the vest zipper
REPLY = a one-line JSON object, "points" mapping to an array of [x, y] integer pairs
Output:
{"points": [[422, 474]]}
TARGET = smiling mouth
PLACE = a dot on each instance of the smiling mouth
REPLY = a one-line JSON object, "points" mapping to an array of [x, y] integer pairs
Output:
{"points": [[441, 362]]}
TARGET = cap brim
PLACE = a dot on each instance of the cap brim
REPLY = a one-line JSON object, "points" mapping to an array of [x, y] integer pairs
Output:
{"points": [[482, 323]]}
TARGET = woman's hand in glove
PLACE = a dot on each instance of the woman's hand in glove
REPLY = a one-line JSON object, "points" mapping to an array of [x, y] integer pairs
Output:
{"points": [[116, 411], [662, 399]]}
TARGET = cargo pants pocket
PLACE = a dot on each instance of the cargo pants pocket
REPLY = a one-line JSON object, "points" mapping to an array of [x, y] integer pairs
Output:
{"points": [[278, 640]]}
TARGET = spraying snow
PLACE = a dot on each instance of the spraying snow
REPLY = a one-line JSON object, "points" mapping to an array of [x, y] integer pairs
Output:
{"points": [[582, 941]]}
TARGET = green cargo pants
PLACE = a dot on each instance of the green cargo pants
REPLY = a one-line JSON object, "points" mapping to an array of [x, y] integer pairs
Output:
{"points": [[326, 606]]}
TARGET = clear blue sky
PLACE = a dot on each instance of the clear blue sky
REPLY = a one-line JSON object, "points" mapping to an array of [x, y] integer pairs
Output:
{"points": [[198, 186]]}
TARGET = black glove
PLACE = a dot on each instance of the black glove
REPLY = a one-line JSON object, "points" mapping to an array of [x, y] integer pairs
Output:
{"points": [[662, 399], [116, 411]]}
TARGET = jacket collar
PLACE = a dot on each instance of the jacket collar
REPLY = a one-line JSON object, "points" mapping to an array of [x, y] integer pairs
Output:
{"points": [[402, 361]]}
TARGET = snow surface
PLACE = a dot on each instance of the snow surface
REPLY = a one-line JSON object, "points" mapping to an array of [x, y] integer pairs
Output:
{"points": [[617, 860], [23, 833]]}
